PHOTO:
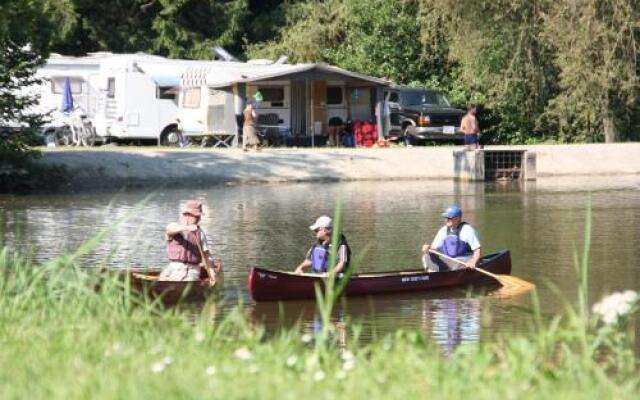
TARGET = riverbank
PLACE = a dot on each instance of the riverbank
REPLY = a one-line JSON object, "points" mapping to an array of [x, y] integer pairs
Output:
{"points": [[114, 167]]}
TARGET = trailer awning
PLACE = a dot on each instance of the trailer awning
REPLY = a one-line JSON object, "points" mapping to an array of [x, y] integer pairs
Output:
{"points": [[166, 80], [163, 74]]}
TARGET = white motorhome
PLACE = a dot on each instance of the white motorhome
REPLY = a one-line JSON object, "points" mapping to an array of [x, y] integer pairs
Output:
{"points": [[126, 96], [298, 100]]}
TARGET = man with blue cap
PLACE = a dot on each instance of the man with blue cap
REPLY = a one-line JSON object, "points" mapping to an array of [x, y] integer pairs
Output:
{"points": [[456, 239]]}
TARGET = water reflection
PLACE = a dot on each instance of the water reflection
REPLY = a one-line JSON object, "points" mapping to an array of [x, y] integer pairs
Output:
{"points": [[540, 222], [452, 322], [450, 317]]}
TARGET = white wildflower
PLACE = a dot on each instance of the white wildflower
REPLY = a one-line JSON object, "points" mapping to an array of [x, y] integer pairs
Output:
{"points": [[347, 356], [253, 369], [311, 362], [156, 349], [243, 353], [199, 336], [292, 360], [349, 365], [318, 376], [167, 360], [211, 370], [340, 375], [615, 305], [117, 347], [158, 367], [306, 338]]}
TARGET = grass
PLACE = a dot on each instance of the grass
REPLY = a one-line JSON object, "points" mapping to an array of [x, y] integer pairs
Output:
{"points": [[61, 338]]}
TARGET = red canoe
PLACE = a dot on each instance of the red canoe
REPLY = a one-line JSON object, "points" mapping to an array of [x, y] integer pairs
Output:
{"points": [[269, 285], [171, 292]]}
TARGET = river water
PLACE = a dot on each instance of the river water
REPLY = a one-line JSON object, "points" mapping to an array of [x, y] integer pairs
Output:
{"points": [[542, 223]]}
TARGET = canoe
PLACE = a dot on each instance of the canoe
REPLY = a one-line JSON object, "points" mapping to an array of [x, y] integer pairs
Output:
{"points": [[172, 292], [269, 285]]}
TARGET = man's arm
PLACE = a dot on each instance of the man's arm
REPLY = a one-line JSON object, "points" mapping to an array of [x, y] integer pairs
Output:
{"points": [[342, 259], [437, 241], [174, 228], [305, 264], [476, 257]]}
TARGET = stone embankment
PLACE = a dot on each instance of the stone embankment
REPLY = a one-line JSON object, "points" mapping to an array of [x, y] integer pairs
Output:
{"points": [[115, 167]]}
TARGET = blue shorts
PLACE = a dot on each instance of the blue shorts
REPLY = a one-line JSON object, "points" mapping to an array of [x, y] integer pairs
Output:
{"points": [[471, 139]]}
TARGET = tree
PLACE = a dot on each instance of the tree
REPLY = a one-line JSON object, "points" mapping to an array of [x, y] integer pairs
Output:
{"points": [[596, 44], [505, 63], [28, 29]]}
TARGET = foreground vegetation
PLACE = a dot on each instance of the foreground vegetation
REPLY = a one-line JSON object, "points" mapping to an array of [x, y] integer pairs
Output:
{"points": [[62, 338]]}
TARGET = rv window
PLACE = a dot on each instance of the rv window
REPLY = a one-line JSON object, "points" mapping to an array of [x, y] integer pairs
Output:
{"points": [[57, 85], [191, 98], [334, 95], [272, 94], [165, 92], [111, 88]]}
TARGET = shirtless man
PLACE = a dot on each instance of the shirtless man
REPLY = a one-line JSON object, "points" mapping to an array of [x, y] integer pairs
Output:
{"points": [[469, 126]]}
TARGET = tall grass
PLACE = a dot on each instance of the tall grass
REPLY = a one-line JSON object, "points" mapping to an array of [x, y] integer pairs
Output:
{"points": [[62, 338]]}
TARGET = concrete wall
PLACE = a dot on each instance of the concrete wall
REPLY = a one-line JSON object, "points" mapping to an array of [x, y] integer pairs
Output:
{"points": [[119, 166]]}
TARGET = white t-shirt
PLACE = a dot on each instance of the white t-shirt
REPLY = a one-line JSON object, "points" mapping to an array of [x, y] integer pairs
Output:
{"points": [[467, 234]]}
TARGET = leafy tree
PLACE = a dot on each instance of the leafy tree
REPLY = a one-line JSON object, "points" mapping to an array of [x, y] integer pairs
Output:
{"points": [[504, 63], [27, 30], [596, 44]]}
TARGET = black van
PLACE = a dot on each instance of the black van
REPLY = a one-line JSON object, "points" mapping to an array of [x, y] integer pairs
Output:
{"points": [[419, 114]]}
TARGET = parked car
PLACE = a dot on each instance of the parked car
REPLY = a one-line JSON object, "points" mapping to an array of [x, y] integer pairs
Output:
{"points": [[419, 114]]}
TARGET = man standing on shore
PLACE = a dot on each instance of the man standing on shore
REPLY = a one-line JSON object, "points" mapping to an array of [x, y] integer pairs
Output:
{"points": [[469, 126], [249, 135]]}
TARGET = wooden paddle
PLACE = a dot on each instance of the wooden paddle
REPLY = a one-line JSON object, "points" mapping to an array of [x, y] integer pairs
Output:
{"points": [[145, 277], [511, 285], [205, 260]]}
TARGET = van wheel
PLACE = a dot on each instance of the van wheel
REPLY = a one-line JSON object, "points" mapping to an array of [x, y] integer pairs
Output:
{"points": [[172, 137]]}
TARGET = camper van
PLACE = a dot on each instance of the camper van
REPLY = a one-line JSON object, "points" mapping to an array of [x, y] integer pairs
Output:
{"points": [[297, 100], [124, 96]]}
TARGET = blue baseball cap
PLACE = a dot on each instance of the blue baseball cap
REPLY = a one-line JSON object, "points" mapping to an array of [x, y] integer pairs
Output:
{"points": [[452, 212]]}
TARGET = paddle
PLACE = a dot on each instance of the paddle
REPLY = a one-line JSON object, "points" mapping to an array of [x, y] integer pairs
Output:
{"points": [[145, 277], [512, 285], [205, 260]]}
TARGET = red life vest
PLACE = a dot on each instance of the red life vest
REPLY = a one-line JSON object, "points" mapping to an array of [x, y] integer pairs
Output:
{"points": [[184, 249], [368, 138]]}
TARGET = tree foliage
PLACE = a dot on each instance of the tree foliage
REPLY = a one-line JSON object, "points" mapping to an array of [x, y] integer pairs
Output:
{"points": [[596, 46], [563, 71]]}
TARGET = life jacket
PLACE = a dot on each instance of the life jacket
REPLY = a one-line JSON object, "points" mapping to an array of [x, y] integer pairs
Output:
{"points": [[453, 246], [320, 254], [368, 138], [182, 248]]}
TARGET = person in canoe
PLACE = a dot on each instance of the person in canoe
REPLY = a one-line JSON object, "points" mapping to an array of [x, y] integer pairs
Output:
{"points": [[456, 239], [319, 254], [183, 241]]}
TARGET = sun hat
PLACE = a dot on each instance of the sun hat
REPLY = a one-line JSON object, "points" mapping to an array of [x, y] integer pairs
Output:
{"points": [[452, 212], [322, 222], [193, 207]]}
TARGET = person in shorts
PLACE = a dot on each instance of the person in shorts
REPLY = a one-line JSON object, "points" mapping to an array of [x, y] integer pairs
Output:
{"points": [[469, 126]]}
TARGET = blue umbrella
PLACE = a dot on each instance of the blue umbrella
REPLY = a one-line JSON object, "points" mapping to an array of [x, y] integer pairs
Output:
{"points": [[67, 97]]}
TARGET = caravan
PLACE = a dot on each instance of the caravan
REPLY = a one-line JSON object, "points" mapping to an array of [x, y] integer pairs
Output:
{"points": [[124, 96], [297, 102]]}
